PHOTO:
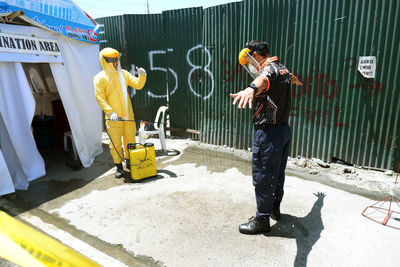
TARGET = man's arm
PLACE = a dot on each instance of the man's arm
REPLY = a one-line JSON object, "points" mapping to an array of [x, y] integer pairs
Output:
{"points": [[246, 96], [135, 82], [100, 92]]}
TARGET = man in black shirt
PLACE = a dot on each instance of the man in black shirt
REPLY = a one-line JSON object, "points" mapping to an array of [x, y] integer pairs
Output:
{"points": [[270, 93]]}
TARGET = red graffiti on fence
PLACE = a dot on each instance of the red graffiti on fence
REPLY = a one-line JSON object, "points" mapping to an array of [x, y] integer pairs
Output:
{"points": [[325, 86], [315, 85], [319, 116], [372, 87]]}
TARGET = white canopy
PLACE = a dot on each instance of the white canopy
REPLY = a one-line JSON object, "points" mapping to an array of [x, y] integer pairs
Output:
{"points": [[73, 74]]}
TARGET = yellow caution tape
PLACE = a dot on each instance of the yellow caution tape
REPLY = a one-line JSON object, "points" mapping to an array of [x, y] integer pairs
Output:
{"points": [[28, 247]]}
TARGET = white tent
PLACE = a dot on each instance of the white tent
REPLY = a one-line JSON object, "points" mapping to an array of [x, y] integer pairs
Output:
{"points": [[73, 64]]}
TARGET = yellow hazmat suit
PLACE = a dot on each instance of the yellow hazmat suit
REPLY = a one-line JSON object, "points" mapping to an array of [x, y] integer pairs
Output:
{"points": [[109, 85]]}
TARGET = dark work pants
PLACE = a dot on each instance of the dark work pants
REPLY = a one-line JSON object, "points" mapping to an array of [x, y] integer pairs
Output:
{"points": [[270, 152]]}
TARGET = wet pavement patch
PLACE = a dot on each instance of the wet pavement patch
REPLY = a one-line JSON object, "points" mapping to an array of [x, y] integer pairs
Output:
{"points": [[215, 161]]}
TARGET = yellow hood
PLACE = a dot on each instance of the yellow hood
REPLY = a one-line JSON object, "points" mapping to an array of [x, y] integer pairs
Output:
{"points": [[109, 52]]}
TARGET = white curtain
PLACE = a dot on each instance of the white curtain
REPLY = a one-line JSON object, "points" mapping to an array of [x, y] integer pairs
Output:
{"points": [[18, 178], [17, 107], [74, 82], [6, 183]]}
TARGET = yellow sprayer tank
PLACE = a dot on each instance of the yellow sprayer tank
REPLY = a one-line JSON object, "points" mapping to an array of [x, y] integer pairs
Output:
{"points": [[143, 160]]}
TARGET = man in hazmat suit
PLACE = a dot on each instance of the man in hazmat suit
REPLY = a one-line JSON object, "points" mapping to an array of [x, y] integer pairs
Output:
{"points": [[112, 95]]}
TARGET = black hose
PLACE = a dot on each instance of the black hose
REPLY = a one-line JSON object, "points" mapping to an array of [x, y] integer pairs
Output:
{"points": [[169, 152], [172, 152], [141, 161]]}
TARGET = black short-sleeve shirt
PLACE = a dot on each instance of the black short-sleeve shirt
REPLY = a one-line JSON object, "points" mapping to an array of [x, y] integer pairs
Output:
{"points": [[272, 106]]}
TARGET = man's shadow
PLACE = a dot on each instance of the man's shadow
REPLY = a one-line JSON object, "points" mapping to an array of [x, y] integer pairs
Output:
{"points": [[306, 230]]}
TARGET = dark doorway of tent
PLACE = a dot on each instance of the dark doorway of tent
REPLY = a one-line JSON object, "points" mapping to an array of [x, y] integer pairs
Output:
{"points": [[50, 126]]}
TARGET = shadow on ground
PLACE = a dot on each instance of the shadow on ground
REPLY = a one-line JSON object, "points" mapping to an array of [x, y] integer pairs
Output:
{"points": [[306, 230]]}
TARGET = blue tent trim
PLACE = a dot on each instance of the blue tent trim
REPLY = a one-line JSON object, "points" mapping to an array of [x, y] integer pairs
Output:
{"points": [[63, 17]]}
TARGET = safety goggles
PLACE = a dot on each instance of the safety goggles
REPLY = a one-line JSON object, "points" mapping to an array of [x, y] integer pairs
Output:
{"points": [[111, 59]]}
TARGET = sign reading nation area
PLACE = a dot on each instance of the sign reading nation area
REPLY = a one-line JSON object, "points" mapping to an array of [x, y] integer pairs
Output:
{"points": [[367, 66], [12, 43]]}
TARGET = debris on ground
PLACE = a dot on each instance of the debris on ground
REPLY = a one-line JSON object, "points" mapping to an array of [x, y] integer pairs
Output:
{"points": [[377, 183]]}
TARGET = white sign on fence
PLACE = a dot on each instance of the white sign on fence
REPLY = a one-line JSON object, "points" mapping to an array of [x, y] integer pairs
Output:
{"points": [[367, 66]]}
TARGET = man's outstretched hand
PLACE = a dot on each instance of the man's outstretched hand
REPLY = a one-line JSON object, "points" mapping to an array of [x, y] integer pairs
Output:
{"points": [[244, 97]]}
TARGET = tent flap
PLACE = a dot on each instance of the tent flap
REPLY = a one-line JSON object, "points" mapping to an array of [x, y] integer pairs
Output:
{"points": [[73, 78]]}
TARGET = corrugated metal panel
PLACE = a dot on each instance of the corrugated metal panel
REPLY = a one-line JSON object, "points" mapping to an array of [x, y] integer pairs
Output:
{"points": [[336, 114], [183, 31], [113, 32], [146, 47], [314, 57], [221, 123]]}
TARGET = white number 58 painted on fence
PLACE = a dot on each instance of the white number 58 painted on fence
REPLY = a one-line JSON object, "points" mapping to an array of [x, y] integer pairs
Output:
{"points": [[194, 67]]}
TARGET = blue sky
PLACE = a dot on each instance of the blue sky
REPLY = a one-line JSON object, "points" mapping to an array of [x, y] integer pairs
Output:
{"points": [[105, 8]]}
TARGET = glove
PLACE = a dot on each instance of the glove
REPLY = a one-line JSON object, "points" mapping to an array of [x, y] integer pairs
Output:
{"points": [[114, 116], [141, 71]]}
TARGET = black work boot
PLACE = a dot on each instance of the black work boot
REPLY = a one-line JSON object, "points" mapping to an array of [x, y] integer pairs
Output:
{"points": [[255, 226], [119, 173], [128, 164], [275, 214]]}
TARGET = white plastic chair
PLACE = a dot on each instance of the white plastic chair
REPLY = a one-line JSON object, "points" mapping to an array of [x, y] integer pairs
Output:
{"points": [[159, 128]]}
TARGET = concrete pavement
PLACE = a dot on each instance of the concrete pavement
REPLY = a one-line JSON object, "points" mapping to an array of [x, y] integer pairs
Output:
{"points": [[189, 215]]}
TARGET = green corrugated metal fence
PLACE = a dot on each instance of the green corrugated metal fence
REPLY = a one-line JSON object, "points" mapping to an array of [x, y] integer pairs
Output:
{"points": [[191, 57], [183, 30]]}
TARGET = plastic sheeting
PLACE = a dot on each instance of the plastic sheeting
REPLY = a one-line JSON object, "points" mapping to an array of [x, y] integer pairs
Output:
{"points": [[6, 184], [74, 83]]}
